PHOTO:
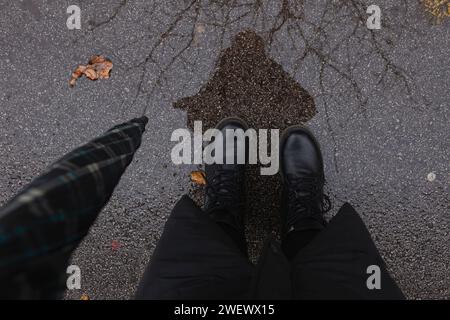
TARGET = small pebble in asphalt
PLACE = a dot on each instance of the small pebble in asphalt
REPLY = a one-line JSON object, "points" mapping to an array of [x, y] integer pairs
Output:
{"points": [[431, 176]]}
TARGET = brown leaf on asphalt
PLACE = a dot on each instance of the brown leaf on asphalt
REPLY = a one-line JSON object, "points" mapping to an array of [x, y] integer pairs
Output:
{"points": [[98, 67], [96, 59], [102, 66], [84, 296], [76, 74], [91, 74], [198, 178]]}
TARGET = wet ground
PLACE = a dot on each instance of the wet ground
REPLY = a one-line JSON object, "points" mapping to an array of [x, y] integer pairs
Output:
{"points": [[377, 101]]}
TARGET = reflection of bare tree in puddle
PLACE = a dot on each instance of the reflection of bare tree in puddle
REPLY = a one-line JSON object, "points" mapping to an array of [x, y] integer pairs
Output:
{"points": [[252, 86], [347, 63], [330, 35]]}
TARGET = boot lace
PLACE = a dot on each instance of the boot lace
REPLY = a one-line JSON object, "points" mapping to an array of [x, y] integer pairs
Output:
{"points": [[222, 189], [304, 194]]}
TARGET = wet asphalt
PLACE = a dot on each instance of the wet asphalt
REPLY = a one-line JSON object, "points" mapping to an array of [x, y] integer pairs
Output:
{"points": [[378, 102]]}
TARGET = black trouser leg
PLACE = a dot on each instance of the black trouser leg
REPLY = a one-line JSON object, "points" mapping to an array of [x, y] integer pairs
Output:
{"points": [[195, 259], [334, 264], [296, 240], [238, 236]]}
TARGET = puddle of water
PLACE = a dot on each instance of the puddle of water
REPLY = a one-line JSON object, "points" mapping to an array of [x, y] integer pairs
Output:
{"points": [[249, 84]]}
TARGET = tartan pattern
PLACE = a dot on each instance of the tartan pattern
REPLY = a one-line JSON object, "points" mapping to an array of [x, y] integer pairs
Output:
{"points": [[43, 224]]}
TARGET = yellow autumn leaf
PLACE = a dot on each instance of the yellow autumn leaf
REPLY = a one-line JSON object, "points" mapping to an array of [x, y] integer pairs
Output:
{"points": [[198, 177], [84, 296]]}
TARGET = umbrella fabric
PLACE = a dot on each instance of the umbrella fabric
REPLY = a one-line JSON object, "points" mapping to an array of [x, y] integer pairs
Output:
{"points": [[44, 223]]}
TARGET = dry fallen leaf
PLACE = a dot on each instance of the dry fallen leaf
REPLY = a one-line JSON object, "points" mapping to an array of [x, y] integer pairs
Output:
{"points": [[439, 9], [76, 74], [96, 59], [84, 296], [98, 67], [91, 74], [198, 177]]}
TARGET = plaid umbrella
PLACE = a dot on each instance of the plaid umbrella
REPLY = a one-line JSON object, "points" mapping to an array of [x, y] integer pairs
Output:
{"points": [[43, 224]]}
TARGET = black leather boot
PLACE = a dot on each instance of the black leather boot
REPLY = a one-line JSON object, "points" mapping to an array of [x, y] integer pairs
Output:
{"points": [[224, 196], [301, 169]]}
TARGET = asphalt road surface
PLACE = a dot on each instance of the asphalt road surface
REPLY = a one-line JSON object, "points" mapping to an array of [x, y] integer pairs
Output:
{"points": [[378, 101]]}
